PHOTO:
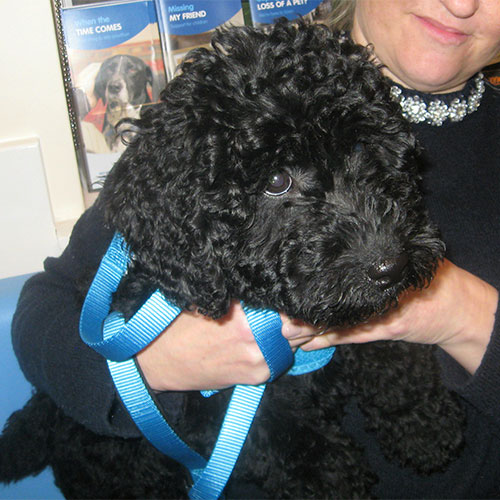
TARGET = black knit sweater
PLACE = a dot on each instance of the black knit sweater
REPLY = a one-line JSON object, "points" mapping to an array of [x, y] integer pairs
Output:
{"points": [[462, 184]]}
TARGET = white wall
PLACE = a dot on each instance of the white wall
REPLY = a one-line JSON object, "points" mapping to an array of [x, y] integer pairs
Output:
{"points": [[33, 110], [26, 222]]}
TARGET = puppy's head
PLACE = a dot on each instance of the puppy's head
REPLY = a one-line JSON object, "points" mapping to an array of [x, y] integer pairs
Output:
{"points": [[275, 170]]}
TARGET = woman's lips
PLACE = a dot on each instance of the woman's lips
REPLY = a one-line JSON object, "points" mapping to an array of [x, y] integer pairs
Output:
{"points": [[440, 32]]}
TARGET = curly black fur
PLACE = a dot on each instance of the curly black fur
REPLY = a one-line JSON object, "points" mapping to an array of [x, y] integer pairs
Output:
{"points": [[191, 195]]}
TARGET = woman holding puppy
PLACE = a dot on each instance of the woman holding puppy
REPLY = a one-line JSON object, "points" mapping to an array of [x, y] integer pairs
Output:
{"points": [[433, 51]]}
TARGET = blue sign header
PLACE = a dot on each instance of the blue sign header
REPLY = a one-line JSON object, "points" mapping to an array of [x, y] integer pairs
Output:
{"points": [[179, 17], [92, 28], [267, 11]]}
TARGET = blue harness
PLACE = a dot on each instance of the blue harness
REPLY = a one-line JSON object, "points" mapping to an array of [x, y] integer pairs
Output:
{"points": [[119, 340]]}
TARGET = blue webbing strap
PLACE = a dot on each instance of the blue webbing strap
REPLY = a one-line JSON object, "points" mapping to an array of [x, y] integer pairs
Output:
{"points": [[109, 334], [148, 417], [118, 341], [239, 417], [266, 328]]}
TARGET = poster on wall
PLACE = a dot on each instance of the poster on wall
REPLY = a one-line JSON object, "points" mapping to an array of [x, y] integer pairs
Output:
{"points": [[267, 11], [113, 53], [187, 25]]}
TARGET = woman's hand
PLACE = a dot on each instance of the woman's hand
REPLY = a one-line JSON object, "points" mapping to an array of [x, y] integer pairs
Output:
{"points": [[456, 312], [196, 352]]}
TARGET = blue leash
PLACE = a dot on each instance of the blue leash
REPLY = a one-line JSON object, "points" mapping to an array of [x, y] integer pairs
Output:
{"points": [[118, 341]]}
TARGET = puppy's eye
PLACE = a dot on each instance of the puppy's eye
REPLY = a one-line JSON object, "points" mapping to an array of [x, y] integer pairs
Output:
{"points": [[279, 183]]}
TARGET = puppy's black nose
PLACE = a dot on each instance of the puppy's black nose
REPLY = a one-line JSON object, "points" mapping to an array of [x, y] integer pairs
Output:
{"points": [[388, 271]]}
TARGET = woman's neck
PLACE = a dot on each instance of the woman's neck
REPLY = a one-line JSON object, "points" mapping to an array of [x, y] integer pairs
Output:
{"points": [[425, 88]]}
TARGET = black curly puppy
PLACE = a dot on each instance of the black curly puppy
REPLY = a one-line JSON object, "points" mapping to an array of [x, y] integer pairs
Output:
{"points": [[276, 170]]}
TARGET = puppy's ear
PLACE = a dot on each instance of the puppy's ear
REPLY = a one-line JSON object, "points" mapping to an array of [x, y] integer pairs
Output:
{"points": [[150, 200]]}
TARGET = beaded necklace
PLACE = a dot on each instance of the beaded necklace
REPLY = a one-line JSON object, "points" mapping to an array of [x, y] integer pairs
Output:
{"points": [[435, 111]]}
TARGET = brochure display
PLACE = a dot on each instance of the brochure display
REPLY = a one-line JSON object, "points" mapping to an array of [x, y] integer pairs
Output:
{"points": [[112, 59]]}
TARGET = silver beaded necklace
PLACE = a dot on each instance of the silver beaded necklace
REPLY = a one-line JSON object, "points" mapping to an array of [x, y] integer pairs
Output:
{"points": [[436, 112]]}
